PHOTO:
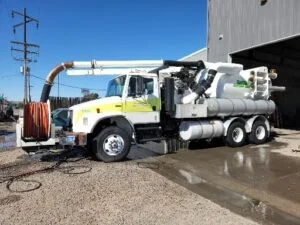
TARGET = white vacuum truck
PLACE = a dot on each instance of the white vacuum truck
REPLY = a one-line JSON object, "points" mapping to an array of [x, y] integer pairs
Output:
{"points": [[158, 101]]}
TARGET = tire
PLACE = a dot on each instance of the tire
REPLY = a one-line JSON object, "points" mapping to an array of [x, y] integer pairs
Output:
{"points": [[183, 144], [172, 145], [259, 133], [236, 135], [102, 145]]}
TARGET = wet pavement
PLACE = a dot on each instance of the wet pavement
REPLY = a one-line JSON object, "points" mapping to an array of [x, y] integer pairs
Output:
{"points": [[7, 136], [254, 181], [7, 141]]}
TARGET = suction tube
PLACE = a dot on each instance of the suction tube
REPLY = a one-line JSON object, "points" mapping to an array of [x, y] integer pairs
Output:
{"points": [[199, 64], [50, 78], [201, 87]]}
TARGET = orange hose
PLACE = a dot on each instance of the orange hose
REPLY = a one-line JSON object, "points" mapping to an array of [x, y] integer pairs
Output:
{"points": [[36, 120]]}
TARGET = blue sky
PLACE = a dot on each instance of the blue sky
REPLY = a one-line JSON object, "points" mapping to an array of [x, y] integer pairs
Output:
{"points": [[97, 29]]}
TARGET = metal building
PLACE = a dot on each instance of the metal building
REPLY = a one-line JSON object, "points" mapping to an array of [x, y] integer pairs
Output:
{"points": [[196, 56], [260, 33]]}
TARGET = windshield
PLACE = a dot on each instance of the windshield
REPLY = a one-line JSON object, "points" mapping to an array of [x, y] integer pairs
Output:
{"points": [[116, 86]]}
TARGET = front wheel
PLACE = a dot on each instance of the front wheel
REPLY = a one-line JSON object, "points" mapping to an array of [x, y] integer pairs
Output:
{"points": [[111, 145]]}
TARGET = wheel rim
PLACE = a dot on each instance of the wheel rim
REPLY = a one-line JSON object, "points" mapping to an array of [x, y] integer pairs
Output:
{"points": [[237, 134], [260, 132], [113, 145]]}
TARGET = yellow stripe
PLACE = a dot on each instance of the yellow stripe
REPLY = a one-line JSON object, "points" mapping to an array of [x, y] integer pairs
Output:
{"points": [[135, 105]]}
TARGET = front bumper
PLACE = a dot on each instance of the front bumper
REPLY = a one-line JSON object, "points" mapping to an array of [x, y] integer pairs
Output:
{"points": [[70, 138]]}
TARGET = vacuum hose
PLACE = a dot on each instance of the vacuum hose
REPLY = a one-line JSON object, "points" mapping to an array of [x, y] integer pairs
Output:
{"points": [[201, 87], [36, 121], [50, 78]]}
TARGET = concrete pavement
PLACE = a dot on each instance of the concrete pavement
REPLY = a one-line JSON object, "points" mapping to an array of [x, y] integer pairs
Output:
{"points": [[261, 182]]}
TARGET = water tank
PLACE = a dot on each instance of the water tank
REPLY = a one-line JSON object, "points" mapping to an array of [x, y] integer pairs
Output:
{"points": [[191, 130], [238, 107]]}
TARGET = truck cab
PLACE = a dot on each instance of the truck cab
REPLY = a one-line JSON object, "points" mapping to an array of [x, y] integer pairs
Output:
{"points": [[131, 100], [135, 97]]}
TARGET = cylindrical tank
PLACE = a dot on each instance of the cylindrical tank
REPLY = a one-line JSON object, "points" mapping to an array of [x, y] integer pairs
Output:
{"points": [[191, 130], [231, 86], [238, 107], [228, 90], [245, 84]]}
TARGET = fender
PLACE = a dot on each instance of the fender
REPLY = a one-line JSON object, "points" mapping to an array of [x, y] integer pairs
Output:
{"points": [[228, 122], [120, 121], [253, 119]]}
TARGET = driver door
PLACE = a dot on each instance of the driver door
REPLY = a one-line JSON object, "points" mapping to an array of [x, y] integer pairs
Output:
{"points": [[142, 103]]}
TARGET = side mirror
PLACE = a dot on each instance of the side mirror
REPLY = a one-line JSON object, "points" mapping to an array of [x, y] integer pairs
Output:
{"points": [[139, 86]]}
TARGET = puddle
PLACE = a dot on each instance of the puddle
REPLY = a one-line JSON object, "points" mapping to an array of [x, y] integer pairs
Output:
{"points": [[247, 180], [7, 141], [237, 202]]}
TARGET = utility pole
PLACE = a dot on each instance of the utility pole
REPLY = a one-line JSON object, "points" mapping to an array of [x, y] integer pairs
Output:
{"points": [[29, 86], [25, 51]]}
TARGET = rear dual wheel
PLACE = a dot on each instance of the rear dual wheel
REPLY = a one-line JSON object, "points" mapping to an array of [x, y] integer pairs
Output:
{"points": [[259, 133], [236, 134]]}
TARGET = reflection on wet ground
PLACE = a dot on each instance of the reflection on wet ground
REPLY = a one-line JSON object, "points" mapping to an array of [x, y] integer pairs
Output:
{"points": [[7, 140], [252, 180], [7, 136]]}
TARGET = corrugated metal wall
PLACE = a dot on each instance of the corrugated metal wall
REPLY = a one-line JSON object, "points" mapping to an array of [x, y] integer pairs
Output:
{"points": [[247, 23]]}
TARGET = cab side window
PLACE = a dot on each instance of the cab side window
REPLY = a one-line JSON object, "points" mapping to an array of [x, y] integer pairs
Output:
{"points": [[148, 84], [140, 86]]}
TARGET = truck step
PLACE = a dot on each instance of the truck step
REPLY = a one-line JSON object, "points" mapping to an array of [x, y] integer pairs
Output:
{"points": [[150, 139], [148, 128]]}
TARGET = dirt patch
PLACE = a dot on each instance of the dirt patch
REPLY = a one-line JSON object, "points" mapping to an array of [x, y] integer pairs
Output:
{"points": [[10, 199], [14, 156]]}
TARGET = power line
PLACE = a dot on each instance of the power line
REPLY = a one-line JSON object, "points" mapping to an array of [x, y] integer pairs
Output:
{"points": [[58, 83], [70, 86], [13, 75]]}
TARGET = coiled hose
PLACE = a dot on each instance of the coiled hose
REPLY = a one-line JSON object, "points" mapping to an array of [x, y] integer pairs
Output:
{"points": [[36, 121]]}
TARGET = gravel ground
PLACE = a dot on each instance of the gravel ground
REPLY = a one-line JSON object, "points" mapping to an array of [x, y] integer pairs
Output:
{"points": [[115, 193]]}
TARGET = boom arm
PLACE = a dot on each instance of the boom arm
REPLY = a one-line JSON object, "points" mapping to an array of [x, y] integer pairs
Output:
{"points": [[96, 68], [111, 68]]}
